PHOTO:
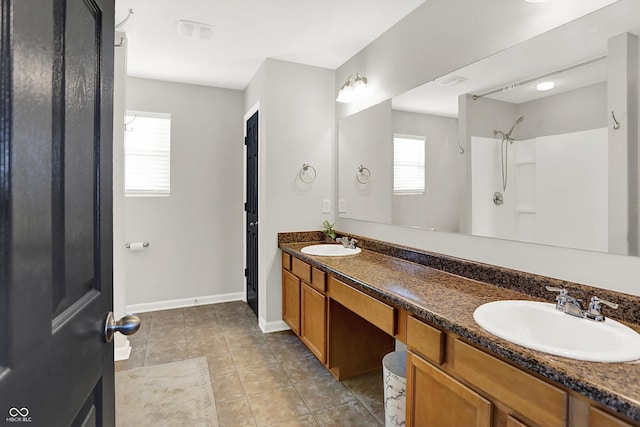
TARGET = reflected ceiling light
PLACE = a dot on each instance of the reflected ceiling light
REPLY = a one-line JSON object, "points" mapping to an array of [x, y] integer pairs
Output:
{"points": [[545, 86], [354, 86], [537, 78]]}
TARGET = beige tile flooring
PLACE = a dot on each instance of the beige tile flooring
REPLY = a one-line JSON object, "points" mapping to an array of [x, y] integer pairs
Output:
{"points": [[258, 379]]}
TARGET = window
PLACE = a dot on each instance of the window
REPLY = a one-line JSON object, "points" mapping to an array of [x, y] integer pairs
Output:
{"points": [[147, 152], [408, 164]]}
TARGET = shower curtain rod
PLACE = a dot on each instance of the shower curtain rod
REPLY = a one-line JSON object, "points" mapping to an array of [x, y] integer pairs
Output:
{"points": [[533, 79]]}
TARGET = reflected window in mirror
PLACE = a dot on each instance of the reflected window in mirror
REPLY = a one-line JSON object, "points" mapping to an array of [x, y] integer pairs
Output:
{"points": [[408, 164]]}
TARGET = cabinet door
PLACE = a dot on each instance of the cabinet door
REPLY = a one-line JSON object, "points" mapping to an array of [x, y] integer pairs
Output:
{"points": [[436, 399], [314, 321], [291, 301]]}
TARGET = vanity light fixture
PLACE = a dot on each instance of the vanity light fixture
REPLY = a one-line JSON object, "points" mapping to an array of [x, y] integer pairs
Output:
{"points": [[545, 86], [355, 85]]}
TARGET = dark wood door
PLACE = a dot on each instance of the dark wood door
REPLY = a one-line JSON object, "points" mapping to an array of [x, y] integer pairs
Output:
{"points": [[56, 80], [251, 208]]}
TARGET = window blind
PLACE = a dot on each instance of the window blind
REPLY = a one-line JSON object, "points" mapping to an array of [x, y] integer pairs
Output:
{"points": [[408, 164], [147, 154]]}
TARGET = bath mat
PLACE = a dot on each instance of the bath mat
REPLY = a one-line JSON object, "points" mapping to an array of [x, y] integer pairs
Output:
{"points": [[171, 394]]}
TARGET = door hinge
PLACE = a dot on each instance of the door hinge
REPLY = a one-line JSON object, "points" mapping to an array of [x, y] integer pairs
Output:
{"points": [[246, 139], [246, 207], [246, 272]]}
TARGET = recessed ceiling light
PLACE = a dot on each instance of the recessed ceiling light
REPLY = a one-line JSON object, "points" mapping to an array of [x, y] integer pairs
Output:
{"points": [[536, 1], [545, 86]]}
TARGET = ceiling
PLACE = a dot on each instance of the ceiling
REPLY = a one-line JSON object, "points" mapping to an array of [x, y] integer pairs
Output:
{"points": [[323, 33]]}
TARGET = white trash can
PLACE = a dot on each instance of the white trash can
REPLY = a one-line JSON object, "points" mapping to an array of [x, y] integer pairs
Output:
{"points": [[394, 374]]}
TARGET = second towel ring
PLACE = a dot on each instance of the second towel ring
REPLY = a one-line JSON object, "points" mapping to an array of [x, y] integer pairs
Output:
{"points": [[305, 167], [365, 173]]}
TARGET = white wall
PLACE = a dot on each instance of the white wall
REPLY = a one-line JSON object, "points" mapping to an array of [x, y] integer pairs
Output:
{"points": [[367, 140], [442, 40], [297, 125], [572, 111], [195, 234]]}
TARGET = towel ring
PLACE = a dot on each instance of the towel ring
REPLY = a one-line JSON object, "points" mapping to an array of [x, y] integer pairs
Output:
{"points": [[305, 167], [366, 175]]}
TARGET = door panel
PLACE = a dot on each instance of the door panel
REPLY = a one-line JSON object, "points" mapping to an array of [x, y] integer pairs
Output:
{"points": [[56, 79], [252, 212]]}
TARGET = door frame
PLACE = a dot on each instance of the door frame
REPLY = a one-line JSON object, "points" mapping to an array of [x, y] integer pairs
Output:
{"points": [[255, 108]]}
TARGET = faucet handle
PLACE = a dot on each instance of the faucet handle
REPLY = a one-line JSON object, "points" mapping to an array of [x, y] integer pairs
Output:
{"points": [[596, 302], [562, 291], [561, 298], [594, 311]]}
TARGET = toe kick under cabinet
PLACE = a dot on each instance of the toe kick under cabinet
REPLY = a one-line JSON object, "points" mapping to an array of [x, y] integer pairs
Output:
{"points": [[449, 381]]}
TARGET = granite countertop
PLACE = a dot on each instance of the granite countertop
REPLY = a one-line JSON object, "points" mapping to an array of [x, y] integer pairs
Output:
{"points": [[448, 301]]}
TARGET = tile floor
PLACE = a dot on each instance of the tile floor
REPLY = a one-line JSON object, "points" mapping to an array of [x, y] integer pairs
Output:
{"points": [[258, 379]]}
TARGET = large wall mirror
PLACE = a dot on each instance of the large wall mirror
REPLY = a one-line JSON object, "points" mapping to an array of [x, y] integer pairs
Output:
{"points": [[538, 143]]}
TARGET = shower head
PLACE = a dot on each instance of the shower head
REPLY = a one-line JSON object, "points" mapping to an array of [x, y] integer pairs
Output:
{"points": [[520, 120]]}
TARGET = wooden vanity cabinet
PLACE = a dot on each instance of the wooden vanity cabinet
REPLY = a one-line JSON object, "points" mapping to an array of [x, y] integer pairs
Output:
{"points": [[463, 385], [313, 331], [291, 301], [437, 399], [304, 304], [449, 381]]}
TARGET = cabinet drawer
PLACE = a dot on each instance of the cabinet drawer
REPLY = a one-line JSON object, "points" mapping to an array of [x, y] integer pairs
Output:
{"points": [[425, 340], [598, 418], [301, 269], [318, 279], [286, 261], [375, 312], [542, 403]]}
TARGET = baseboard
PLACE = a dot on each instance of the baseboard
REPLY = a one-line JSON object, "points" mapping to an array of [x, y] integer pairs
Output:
{"points": [[122, 352], [185, 302], [277, 326]]}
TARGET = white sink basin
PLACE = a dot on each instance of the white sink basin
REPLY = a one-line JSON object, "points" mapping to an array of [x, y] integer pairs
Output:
{"points": [[539, 326], [329, 250]]}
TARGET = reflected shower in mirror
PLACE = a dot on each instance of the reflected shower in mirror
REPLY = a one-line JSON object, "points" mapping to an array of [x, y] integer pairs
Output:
{"points": [[522, 145]]}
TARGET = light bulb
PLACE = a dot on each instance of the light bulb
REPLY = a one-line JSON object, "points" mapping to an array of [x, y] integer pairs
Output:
{"points": [[345, 95]]}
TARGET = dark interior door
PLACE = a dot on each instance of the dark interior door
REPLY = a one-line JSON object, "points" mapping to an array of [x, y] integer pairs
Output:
{"points": [[251, 208], [56, 80]]}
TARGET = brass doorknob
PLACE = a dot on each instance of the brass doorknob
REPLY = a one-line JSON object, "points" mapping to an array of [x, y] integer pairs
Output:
{"points": [[128, 325]]}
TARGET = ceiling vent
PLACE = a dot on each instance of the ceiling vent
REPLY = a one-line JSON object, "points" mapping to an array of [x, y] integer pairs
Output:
{"points": [[448, 81], [195, 30]]}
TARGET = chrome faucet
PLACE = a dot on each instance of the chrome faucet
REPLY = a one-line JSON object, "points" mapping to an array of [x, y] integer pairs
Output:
{"points": [[571, 305], [346, 242], [594, 313]]}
